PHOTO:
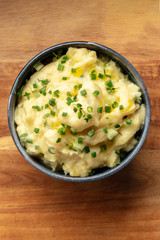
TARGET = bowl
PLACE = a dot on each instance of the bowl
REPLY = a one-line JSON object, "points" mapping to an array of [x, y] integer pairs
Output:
{"points": [[46, 56]]}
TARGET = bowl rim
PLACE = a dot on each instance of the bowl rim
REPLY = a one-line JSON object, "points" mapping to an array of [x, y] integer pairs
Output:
{"points": [[107, 172]]}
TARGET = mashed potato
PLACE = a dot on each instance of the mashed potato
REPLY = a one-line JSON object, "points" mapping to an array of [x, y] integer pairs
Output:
{"points": [[79, 113]]}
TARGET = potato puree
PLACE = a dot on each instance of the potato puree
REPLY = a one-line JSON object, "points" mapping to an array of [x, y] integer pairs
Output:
{"points": [[79, 113]]}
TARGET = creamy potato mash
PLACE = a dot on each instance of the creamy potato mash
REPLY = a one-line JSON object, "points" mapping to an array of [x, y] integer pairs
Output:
{"points": [[79, 113]]}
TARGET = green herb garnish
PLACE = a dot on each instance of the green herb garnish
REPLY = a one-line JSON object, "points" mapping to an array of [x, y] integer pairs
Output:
{"points": [[27, 95], [91, 133], [35, 85], [99, 109], [56, 93], [100, 75], [86, 149], [64, 114], [114, 104], [105, 130], [107, 109], [36, 130], [58, 140], [80, 140], [29, 140], [37, 108], [52, 102], [60, 67], [73, 70], [128, 121], [83, 93], [93, 154], [52, 113], [103, 148], [96, 93], [121, 107]]}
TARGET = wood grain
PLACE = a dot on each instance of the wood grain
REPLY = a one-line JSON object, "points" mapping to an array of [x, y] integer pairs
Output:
{"points": [[125, 206]]}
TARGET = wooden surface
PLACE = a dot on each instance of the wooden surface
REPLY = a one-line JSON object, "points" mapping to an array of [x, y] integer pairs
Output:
{"points": [[125, 206]]}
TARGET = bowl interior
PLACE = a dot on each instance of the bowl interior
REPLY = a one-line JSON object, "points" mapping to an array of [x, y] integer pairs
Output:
{"points": [[46, 57]]}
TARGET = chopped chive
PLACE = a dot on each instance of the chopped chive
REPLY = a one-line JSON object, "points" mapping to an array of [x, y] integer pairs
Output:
{"points": [[62, 131], [29, 140], [96, 93], [73, 70], [107, 109], [75, 87], [68, 94], [36, 147], [105, 130], [128, 121], [60, 67], [47, 114], [91, 133], [46, 105], [79, 114], [75, 109], [74, 131], [51, 150], [117, 152], [36, 130], [58, 140], [121, 107], [69, 100], [89, 109], [93, 76], [56, 93], [52, 102], [99, 109], [68, 126], [45, 123], [35, 85], [64, 78], [117, 126], [23, 135], [75, 98], [86, 149], [65, 57], [103, 148], [45, 82], [27, 95], [114, 104], [52, 113], [19, 93], [80, 86], [80, 140], [63, 61], [109, 83], [64, 114], [37, 66], [79, 105], [50, 92], [93, 154], [37, 108], [100, 75], [91, 172], [83, 92], [43, 91]]}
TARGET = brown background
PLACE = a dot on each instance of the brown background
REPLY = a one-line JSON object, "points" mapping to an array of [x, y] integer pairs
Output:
{"points": [[124, 206]]}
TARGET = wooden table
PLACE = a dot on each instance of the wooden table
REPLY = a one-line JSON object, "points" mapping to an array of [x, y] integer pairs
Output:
{"points": [[125, 206]]}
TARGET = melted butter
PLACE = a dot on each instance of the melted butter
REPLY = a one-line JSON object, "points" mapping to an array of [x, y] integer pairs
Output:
{"points": [[78, 72], [55, 125], [130, 104]]}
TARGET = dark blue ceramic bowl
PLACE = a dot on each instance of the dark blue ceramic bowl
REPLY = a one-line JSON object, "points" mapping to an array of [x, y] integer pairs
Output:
{"points": [[46, 56]]}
